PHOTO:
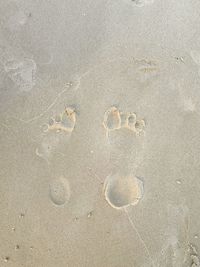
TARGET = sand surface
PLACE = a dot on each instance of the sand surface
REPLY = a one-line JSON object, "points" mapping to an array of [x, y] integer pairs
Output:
{"points": [[100, 133]]}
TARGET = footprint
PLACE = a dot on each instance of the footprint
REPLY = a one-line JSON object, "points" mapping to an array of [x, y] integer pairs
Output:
{"points": [[56, 133], [59, 191], [125, 134], [121, 192]]}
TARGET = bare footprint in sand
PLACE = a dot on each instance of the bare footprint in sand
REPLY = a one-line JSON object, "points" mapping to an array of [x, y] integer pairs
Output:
{"points": [[57, 132], [125, 133]]}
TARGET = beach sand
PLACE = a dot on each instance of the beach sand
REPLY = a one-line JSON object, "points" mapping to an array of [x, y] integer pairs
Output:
{"points": [[99, 133]]}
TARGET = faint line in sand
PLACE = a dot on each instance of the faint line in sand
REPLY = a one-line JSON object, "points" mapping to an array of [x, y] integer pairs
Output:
{"points": [[139, 236]]}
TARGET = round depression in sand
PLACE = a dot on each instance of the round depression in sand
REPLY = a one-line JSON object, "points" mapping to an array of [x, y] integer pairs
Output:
{"points": [[59, 191], [121, 192]]}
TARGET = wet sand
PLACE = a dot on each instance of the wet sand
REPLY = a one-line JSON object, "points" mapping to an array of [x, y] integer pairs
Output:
{"points": [[99, 133]]}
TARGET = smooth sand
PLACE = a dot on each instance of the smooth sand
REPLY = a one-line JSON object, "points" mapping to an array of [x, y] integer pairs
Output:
{"points": [[100, 123]]}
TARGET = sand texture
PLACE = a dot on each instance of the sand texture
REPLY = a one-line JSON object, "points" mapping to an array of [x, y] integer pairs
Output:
{"points": [[100, 133]]}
